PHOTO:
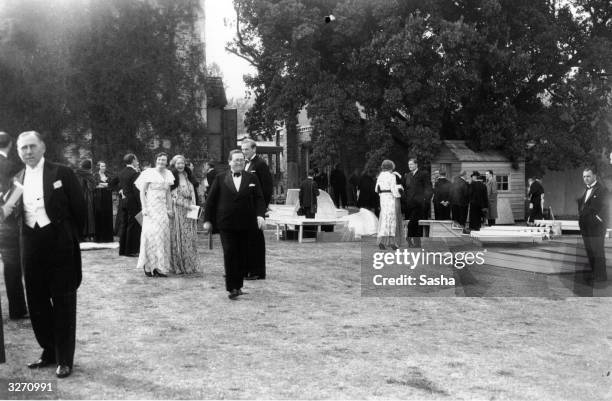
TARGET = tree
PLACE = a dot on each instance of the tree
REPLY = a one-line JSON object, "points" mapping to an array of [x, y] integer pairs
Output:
{"points": [[497, 73], [121, 71]]}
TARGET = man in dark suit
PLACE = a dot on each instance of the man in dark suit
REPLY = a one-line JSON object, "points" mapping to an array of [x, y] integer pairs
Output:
{"points": [[593, 221], [129, 207], [9, 236], [460, 199], [51, 216], [211, 173], [235, 207], [442, 197], [257, 243], [337, 180], [417, 195], [478, 201]]}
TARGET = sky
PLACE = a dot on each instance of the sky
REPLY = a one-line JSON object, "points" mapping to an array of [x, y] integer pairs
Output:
{"points": [[220, 29]]}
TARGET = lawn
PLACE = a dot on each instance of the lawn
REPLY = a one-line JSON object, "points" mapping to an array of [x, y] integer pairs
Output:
{"points": [[307, 332]]}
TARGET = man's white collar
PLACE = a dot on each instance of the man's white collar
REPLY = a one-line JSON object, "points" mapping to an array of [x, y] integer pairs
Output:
{"points": [[39, 166]]}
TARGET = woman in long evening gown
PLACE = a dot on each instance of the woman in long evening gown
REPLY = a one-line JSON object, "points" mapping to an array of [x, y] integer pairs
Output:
{"points": [[154, 186], [103, 205], [386, 187], [183, 234], [88, 185]]}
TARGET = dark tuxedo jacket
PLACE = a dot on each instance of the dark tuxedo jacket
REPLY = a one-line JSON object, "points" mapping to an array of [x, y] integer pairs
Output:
{"points": [[417, 189], [67, 210], [260, 168], [478, 195], [210, 177], [8, 169], [126, 177], [442, 190], [231, 210], [460, 192], [594, 207], [8, 226]]}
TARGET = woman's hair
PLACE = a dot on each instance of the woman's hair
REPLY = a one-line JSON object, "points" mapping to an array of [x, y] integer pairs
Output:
{"points": [[160, 154], [176, 159], [387, 165], [175, 172]]}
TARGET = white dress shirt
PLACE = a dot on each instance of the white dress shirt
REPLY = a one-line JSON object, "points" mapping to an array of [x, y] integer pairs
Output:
{"points": [[33, 196], [3, 153], [589, 191], [237, 181]]}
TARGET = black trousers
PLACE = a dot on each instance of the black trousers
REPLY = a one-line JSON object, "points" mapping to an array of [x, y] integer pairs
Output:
{"points": [[235, 253], [51, 302], [475, 217], [414, 214], [340, 196], [13, 276], [594, 245], [459, 214], [129, 232], [257, 254]]}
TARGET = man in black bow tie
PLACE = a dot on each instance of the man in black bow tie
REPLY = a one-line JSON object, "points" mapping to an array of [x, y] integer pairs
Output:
{"points": [[593, 221], [235, 206]]}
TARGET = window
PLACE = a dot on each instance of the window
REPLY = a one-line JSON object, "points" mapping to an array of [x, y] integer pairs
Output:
{"points": [[503, 182]]}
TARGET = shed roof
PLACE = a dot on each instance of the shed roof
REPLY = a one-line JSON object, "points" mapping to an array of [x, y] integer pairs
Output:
{"points": [[464, 154], [215, 92]]}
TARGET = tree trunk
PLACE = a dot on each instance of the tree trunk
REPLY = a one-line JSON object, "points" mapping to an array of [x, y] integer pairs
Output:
{"points": [[292, 151]]}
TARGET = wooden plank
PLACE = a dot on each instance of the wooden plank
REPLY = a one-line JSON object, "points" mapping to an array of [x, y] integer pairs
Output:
{"points": [[524, 263], [538, 253]]}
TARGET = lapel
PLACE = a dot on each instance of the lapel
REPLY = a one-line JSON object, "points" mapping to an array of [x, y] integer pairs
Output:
{"points": [[252, 164], [594, 193], [229, 181], [49, 177], [19, 209], [243, 182]]}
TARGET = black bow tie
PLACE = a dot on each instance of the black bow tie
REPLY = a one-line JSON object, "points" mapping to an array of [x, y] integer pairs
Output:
{"points": [[589, 186], [237, 174]]}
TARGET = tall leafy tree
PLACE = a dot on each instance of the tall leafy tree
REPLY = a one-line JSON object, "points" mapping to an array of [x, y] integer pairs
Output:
{"points": [[498, 73], [115, 73]]}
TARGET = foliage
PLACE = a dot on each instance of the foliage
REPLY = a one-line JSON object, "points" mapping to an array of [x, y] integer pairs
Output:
{"points": [[498, 73], [124, 71]]}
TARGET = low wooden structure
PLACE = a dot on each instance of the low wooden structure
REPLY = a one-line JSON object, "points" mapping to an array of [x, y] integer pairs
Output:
{"points": [[455, 156]]}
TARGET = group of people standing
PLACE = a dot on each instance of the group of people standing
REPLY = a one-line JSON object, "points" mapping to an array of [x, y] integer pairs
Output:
{"points": [[40, 233], [467, 200]]}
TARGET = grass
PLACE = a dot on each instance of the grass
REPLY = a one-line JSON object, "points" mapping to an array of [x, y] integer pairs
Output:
{"points": [[306, 332]]}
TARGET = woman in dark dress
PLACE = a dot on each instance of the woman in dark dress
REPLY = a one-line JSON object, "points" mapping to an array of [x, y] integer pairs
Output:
{"points": [[103, 205], [88, 185]]}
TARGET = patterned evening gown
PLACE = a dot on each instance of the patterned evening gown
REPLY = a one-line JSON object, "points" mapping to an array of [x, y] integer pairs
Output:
{"points": [[155, 237], [387, 189], [183, 231]]}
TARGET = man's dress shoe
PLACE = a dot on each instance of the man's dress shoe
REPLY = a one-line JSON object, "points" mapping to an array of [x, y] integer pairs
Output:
{"points": [[234, 294], [40, 363], [157, 273], [63, 371]]}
